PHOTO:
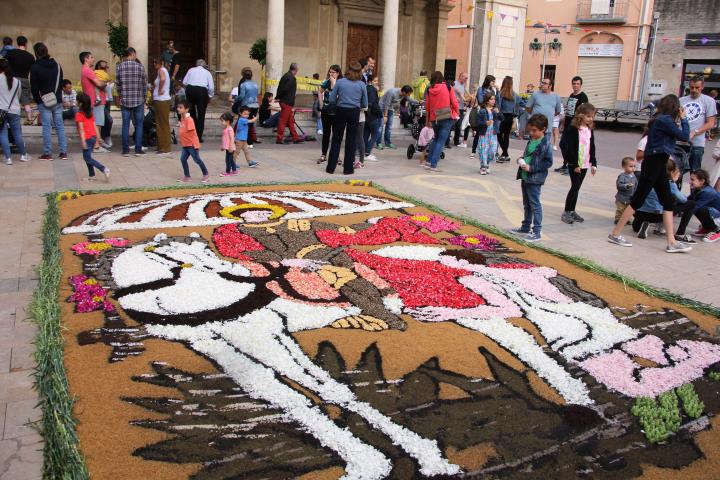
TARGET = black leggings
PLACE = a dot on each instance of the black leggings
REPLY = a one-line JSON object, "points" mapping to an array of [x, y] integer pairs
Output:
{"points": [[641, 217], [653, 175], [504, 133], [576, 181], [327, 124], [706, 219], [687, 209], [458, 128]]}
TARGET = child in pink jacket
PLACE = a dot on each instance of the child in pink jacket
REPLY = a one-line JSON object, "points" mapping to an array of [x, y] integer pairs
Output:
{"points": [[228, 144]]}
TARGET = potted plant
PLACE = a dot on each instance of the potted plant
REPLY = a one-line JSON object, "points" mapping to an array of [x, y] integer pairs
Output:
{"points": [[117, 38]]}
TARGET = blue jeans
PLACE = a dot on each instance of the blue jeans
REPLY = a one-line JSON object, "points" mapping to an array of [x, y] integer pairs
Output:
{"points": [[532, 207], [12, 122], [696, 157], [442, 133], [272, 121], [191, 152], [136, 114], [52, 116], [388, 128], [371, 134], [318, 123], [91, 163]]}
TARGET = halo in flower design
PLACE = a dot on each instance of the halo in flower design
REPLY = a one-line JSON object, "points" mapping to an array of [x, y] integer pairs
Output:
{"points": [[364, 346], [253, 212]]}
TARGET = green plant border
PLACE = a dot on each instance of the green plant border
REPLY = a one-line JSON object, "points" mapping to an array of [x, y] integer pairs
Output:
{"points": [[62, 458]]}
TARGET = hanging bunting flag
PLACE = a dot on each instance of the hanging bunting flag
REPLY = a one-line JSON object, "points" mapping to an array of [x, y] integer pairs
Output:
{"points": [[470, 7], [665, 39], [704, 40], [502, 17], [490, 14]]}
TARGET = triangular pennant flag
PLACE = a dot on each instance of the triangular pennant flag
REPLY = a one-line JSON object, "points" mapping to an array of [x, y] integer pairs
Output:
{"points": [[502, 17], [470, 7], [490, 14], [665, 39], [515, 17], [704, 40]]}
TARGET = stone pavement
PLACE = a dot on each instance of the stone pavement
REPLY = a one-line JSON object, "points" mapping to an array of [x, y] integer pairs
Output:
{"points": [[493, 199]]}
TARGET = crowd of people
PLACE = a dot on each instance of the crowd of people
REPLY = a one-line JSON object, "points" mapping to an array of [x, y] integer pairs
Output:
{"points": [[355, 115]]}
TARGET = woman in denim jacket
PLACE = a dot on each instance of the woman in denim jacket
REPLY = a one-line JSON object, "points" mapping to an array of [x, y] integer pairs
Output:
{"points": [[663, 132]]}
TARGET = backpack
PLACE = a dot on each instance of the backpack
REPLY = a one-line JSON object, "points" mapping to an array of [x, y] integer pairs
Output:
{"points": [[474, 117]]}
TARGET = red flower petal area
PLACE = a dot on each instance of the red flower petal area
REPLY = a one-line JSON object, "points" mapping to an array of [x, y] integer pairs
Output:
{"points": [[387, 230], [421, 283], [230, 242]]}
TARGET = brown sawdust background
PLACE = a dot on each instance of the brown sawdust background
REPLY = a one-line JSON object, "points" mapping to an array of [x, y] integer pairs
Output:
{"points": [[108, 440]]}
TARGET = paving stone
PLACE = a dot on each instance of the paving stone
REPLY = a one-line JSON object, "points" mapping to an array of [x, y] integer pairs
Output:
{"points": [[21, 458]]}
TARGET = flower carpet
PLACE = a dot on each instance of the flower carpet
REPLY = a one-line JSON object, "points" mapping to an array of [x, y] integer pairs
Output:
{"points": [[325, 331]]}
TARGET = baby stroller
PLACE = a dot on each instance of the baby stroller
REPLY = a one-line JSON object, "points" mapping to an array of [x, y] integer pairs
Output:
{"points": [[417, 116], [150, 130]]}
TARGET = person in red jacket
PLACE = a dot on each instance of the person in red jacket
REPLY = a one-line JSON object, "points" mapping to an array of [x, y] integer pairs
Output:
{"points": [[442, 113]]}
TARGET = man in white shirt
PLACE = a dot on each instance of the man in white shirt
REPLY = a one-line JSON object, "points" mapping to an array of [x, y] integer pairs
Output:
{"points": [[199, 89], [701, 111]]}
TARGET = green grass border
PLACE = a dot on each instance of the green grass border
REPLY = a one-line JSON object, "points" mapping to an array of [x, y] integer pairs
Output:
{"points": [[62, 458]]}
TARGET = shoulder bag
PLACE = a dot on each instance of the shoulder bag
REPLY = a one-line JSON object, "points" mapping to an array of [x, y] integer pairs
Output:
{"points": [[49, 100], [4, 113]]}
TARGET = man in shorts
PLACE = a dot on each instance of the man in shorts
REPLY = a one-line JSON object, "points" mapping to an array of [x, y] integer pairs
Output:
{"points": [[95, 89], [701, 111], [20, 61]]}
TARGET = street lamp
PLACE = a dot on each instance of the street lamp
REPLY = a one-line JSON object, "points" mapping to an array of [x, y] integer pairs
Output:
{"points": [[536, 45]]}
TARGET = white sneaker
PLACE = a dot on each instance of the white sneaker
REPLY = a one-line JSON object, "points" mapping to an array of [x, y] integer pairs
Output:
{"points": [[555, 147], [108, 142], [320, 132], [104, 145], [371, 158], [107, 174], [251, 146], [24, 158], [463, 145], [100, 150], [8, 161]]}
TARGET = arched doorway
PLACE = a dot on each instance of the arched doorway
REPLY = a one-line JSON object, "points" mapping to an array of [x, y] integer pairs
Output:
{"points": [[599, 62]]}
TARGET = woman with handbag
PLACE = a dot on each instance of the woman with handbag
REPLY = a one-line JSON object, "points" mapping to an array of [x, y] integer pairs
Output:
{"points": [[442, 113], [327, 109], [350, 95], [46, 88], [10, 112], [509, 104]]}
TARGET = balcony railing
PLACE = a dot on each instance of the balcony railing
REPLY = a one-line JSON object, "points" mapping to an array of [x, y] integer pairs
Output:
{"points": [[602, 11]]}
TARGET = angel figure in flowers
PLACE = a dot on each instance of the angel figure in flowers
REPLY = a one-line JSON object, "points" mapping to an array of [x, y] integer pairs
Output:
{"points": [[241, 314], [436, 284]]}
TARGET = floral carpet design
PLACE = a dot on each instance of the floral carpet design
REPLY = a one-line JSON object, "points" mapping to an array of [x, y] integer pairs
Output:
{"points": [[357, 335]]}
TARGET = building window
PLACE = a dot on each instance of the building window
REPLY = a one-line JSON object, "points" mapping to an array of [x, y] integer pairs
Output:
{"points": [[450, 70], [549, 73]]}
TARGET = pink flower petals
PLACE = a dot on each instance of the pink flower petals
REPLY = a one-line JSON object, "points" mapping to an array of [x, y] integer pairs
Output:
{"points": [[96, 248], [88, 295]]}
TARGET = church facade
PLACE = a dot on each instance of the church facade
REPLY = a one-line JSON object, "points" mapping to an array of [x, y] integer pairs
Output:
{"points": [[405, 36]]}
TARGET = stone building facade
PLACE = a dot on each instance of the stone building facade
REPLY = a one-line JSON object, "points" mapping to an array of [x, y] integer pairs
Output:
{"points": [[405, 35], [687, 43], [481, 43]]}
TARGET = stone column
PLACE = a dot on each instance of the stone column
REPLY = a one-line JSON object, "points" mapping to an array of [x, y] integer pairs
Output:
{"points": [[138, 28], [275, 41], [442, 20], [388, 50]]}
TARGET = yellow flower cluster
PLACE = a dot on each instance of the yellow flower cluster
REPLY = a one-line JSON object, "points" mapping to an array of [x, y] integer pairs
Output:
{"points": [[69, 195]]}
